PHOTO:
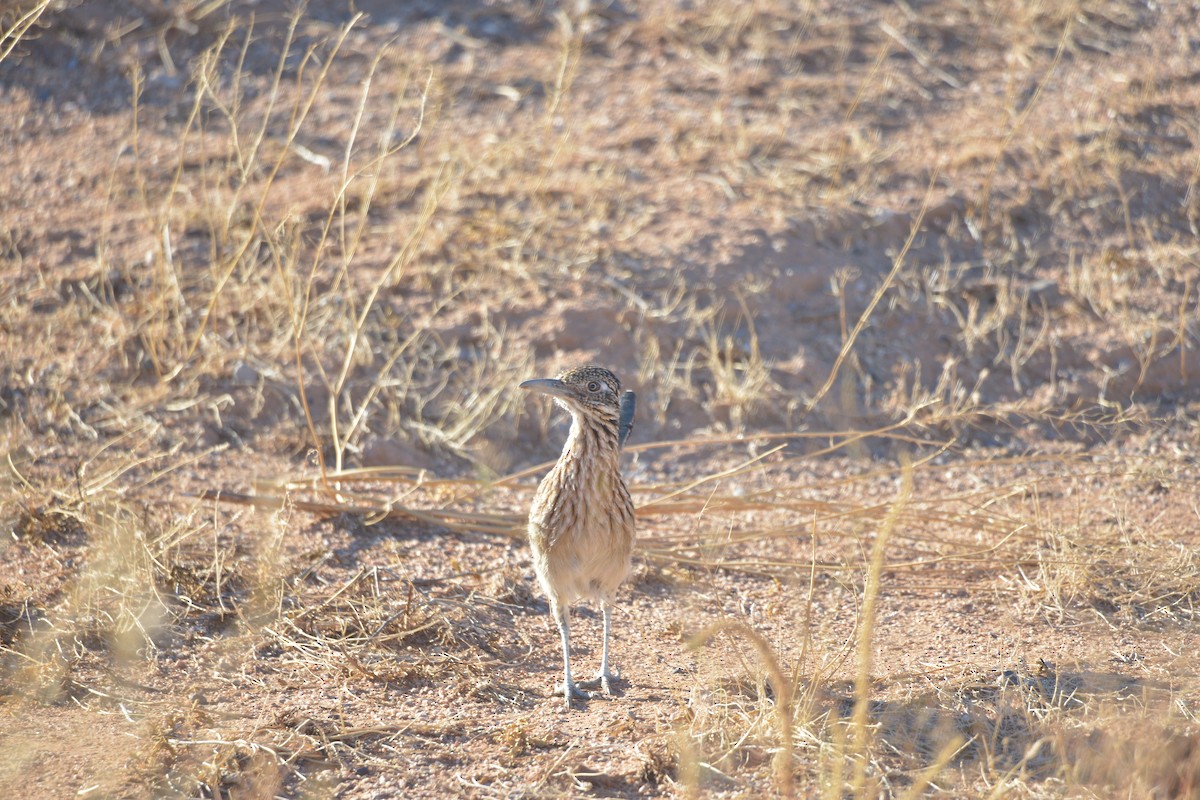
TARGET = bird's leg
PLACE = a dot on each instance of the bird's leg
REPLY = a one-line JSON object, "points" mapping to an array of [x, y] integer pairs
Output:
{"points": [[604, 676], [568, 689]]}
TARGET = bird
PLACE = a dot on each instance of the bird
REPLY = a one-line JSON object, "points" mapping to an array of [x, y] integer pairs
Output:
{"points": [[581, 522]]}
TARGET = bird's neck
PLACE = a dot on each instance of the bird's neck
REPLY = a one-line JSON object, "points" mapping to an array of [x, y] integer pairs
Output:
{"points": [[599, 442]]}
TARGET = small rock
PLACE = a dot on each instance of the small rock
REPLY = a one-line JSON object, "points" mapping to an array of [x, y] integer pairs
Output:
{"points": [[245, 375]]}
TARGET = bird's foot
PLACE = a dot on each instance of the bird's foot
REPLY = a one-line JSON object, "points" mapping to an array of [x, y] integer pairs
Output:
{"points": [[603, 680], [571, 691]]}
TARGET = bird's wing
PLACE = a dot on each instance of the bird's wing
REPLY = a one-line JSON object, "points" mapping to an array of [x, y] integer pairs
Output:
{"points": [[625, 425]]}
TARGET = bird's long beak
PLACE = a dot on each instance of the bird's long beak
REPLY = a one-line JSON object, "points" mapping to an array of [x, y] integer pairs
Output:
{"points": [[550, 386]]}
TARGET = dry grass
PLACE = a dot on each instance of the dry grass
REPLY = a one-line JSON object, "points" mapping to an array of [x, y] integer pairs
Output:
{"points": [[900, 356], [17, 19]]}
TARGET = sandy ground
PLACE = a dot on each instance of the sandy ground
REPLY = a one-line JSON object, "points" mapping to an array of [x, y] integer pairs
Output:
{"points": [[907, 293]]}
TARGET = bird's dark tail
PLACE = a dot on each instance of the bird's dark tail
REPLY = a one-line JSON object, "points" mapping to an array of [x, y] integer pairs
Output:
{"points": [[625, 421]]}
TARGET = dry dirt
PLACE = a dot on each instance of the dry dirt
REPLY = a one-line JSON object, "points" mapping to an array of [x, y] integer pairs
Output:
{"points": [[908, 293]]}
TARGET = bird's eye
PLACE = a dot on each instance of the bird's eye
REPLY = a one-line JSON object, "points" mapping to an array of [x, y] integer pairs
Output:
{"points": [[593, 386]]}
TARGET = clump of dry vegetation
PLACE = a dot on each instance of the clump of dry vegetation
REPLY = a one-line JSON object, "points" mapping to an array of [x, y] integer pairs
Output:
{"points": [[908, 295]]}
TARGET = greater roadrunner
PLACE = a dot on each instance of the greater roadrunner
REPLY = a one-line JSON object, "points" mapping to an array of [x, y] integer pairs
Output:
{"points": [[581, 521]]}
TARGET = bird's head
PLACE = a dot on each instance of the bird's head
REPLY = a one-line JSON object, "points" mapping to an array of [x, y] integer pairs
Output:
{"points": [[593, 397], [592, 392]]}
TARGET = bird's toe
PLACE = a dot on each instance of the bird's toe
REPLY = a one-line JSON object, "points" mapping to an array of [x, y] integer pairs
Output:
{"points": [[603, 681], [572, 691]]}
